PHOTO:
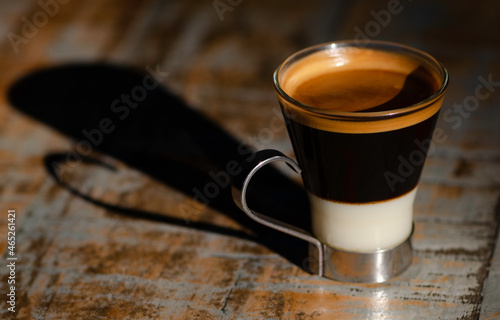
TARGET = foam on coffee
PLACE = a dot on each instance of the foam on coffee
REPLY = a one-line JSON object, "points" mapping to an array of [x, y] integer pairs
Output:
{"points": [[344, 65]]}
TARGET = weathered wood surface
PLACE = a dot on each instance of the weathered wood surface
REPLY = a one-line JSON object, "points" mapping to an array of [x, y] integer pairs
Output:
{"points": [[130, 243]]}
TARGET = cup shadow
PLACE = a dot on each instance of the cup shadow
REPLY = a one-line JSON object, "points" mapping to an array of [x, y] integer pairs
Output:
{"points": [[127, 114]]}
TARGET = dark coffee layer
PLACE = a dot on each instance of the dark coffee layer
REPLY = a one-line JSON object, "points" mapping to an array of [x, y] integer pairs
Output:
{"points": [[359, 168]]}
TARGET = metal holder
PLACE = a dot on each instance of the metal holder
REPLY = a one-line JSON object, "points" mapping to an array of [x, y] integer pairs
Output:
{"points": [[359, 267]]}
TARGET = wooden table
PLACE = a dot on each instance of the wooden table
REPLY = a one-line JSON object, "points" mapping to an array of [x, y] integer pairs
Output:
{"points": [[121, 207]]}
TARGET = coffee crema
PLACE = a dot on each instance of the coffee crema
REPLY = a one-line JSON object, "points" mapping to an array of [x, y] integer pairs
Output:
{"points": [[359, 80], [368, 90]]}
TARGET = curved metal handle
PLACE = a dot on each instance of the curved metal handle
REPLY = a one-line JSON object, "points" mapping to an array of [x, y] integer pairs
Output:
{"points": [[239, 189]]}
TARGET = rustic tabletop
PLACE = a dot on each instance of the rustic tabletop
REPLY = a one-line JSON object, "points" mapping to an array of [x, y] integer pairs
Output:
{"points": [[118, 120]]}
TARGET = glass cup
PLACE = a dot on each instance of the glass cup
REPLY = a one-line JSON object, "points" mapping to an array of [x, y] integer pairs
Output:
{"points": [[360, 151]]}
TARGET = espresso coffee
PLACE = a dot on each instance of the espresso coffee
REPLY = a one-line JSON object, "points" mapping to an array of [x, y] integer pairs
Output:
{"points": [[348, 162], [369, 155]]}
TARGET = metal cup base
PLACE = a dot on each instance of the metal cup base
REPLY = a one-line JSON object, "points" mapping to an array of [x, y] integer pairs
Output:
{"points": [[360, 267], [371, 267]]}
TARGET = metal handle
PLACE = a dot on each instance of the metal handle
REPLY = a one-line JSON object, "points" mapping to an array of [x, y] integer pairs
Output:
{"points": [[239, 189]]}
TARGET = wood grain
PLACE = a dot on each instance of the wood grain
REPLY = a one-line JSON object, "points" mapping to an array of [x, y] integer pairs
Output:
{"points": [[120, 244]]}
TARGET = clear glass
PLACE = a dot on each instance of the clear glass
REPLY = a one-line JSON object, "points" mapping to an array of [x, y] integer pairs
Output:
{"points": [[360, 169]]}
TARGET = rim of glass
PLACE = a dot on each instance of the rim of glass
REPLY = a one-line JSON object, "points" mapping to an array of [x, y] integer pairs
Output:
{"points": [[373, 44]]}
